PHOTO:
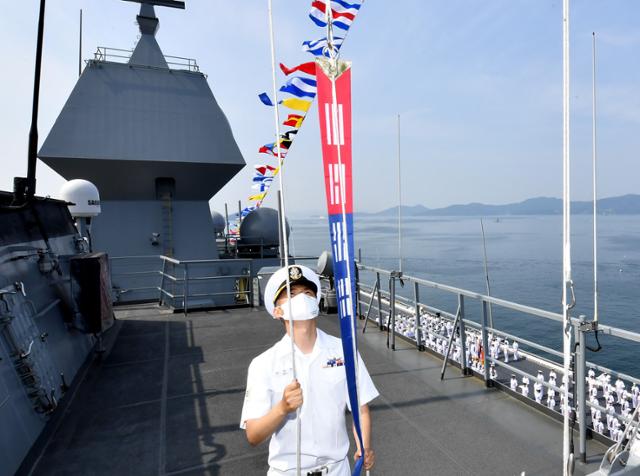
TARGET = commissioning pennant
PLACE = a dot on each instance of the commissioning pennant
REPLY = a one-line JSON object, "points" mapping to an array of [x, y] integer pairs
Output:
{"points": [[335, 136]]}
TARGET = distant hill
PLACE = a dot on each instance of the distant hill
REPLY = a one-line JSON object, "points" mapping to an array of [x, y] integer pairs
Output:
{"points": [[623, 205]]}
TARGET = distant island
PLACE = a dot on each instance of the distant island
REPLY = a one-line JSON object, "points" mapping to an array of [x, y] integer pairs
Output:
{"points": [[623, 205]]}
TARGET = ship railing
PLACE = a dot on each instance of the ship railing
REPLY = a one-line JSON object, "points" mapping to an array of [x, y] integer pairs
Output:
{"points": [[384, 306], [119, 55], [181, 284]]}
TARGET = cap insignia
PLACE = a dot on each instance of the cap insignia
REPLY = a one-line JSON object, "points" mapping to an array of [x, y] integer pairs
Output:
{"points": [[295, 273]]}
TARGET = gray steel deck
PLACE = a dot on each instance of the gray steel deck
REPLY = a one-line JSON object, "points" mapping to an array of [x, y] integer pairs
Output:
{"points": [[166, 400]]}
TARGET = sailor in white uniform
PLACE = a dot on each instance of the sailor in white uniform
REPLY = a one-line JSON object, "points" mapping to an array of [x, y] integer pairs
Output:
{"points": [[493, 373], [551, 402], [456, 354], [513, 383], [594, 401], [505, 350], [610, 416], [620, 388], [537, 388], [516, 354], [610, 399], [320, 391], [613, 430], [635, 396], [598, 425]]}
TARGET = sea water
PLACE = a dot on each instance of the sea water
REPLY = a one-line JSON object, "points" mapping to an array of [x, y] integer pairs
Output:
{"points": [[524, 257]]}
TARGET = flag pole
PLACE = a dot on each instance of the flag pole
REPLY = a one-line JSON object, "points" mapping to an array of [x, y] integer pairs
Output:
{"points": [[595, 193], [283, 227], [486, 271], [399, 204], [567, 285], [334, 57]]}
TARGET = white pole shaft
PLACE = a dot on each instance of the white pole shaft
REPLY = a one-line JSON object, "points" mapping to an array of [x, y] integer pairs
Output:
{"points": [[399, 203], [595, 190], [566, 235], [283, 222], [486, 271]]}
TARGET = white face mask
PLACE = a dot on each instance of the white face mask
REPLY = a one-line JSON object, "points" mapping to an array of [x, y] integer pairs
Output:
{"points": [[303, 308]]}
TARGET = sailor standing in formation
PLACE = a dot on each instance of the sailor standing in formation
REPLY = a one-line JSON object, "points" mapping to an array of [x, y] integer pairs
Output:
{"points": [[320, 392], [537, 388]]}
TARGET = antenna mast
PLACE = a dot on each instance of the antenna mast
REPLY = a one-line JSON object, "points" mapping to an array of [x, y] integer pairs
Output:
{"points": [[80, 47], [567, 283], [28, 186]]}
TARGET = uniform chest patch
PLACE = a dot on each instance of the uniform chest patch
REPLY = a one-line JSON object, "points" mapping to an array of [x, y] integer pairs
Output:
{"points": [[333, 362]]}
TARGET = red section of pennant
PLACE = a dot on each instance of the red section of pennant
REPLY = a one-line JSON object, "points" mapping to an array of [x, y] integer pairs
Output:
{"points": [[335, 132]]}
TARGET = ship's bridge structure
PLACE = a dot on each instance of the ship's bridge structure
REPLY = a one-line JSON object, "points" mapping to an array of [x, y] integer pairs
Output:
{"points": [[146, 129]]}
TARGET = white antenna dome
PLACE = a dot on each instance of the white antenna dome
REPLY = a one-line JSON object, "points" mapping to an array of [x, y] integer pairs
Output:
{"points": [[83, 195]]}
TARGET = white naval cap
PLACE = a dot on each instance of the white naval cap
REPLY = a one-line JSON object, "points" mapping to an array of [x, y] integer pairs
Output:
{"points": [[277, 283]]}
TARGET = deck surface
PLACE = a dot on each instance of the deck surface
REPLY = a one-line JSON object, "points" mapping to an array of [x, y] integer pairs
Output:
{"points": [[166, 400]]}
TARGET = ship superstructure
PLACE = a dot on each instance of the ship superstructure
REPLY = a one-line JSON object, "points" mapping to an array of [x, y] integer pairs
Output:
{"points": [[146, 129]]}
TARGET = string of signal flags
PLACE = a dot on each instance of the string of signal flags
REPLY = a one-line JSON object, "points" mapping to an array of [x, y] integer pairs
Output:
{"points": [[300, 88]]}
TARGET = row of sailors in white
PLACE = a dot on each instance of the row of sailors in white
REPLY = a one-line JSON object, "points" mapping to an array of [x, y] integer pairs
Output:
{"points": [[434, 326], [617, 393], [614, 427], [438, 326], [539, 388], [498, 345], [436, 332]]}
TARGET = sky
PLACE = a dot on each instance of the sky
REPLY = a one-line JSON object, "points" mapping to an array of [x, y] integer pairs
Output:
{"points": [[478, 87]]}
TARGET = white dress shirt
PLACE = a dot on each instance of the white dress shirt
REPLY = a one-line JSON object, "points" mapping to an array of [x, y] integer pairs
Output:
{"points": [[322, 376]]}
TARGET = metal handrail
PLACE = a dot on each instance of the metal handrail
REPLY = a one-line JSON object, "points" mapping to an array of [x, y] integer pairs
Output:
{"points": [[169, 273], [394, 303], [534, 311], [105, 53]]}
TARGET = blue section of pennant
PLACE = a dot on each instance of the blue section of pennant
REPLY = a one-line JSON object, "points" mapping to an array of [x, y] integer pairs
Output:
{"points": [[342, 248]]}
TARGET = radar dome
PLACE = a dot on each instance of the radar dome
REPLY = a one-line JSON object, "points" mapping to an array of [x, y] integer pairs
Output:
{"points": [[325, 264], [261, 227], [219, 223], [84, 198]]}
